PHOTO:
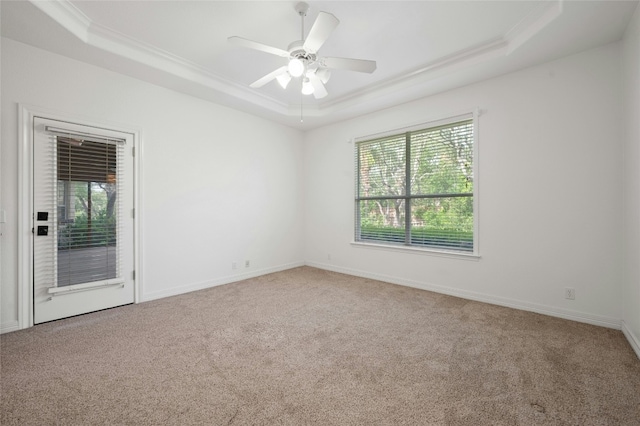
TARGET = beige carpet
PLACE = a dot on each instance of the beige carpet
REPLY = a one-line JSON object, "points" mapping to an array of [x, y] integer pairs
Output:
{"points": [[307, 346]]}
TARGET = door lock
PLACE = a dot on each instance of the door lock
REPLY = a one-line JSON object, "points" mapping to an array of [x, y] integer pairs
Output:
{"points": [[43, 230]]}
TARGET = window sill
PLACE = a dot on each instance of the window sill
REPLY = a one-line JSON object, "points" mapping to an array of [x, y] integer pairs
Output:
{"points": [[416, 250]]}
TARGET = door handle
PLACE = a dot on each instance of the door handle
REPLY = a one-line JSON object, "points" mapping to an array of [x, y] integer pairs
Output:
{"points": [[43, 230]]}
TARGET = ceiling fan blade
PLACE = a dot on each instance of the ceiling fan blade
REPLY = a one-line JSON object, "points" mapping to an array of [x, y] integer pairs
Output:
{"points": [[360, 65], [239, 41], [319, 91], [320, 31], [267, 78]]}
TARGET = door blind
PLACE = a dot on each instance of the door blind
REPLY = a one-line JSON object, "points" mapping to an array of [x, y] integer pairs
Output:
{"points": [[88, 215]]}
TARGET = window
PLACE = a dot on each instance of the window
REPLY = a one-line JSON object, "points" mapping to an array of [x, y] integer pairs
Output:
{"points": [[416, 187]]}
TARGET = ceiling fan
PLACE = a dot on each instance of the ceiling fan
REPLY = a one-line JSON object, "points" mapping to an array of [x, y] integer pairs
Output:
{"points": [[303, 59]]}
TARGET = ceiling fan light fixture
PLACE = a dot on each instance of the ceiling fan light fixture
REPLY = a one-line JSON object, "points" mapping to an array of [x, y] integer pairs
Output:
{"points": [[307, 87], [296, 67], [284, 79], [302, 57]]}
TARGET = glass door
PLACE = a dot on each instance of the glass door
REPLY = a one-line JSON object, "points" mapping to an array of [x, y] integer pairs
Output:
{"points": [[83, 236]]}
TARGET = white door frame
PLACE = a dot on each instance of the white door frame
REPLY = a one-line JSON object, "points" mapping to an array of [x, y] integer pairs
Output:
{"points": [[26, 115]]}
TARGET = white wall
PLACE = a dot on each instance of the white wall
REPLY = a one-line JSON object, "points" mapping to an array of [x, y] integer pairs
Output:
{"points": [[223, 186], [550, 191], [631, 287], [218, 185]]}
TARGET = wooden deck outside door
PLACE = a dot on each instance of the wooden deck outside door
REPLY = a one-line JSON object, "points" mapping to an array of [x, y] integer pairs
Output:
{"points": [[82, 219]]}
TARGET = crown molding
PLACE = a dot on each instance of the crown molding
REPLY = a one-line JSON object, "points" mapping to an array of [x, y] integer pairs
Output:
{"points": [[101, 37], [487, 50], [532, 24], [67, 15]]}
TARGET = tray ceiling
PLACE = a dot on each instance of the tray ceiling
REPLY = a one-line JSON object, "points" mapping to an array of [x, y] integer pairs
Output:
{"points": [[421, 47]]}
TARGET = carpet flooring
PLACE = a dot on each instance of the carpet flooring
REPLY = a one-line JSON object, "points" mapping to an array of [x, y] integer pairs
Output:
{"points": [[307, 346]]}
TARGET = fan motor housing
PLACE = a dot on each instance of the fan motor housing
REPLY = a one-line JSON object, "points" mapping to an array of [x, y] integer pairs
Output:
{"points": [[296, 50]]}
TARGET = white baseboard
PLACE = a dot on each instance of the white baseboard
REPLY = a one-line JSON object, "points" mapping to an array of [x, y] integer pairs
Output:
{"points": [[10, 326], [480, 297], [634, 341], [174, 291]]}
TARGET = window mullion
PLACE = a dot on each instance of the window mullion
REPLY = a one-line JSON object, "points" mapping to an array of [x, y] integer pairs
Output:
{"points": [[407, 191], [358, 219]]}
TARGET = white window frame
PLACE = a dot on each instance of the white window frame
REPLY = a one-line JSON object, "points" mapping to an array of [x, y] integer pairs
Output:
{"points": [[475, 254]]}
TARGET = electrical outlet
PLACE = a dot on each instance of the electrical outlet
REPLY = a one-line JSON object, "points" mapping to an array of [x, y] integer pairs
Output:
{"points": [[569, 293], [234, 265], [247, 263], [329, 256]]}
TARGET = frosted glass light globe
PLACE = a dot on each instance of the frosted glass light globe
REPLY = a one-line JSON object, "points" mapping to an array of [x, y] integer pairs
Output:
{"points": [[307, 87], [284, 80], [296, 67]]}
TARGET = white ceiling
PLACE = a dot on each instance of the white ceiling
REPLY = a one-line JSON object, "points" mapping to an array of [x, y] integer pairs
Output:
{"points": [[421, 47]]}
